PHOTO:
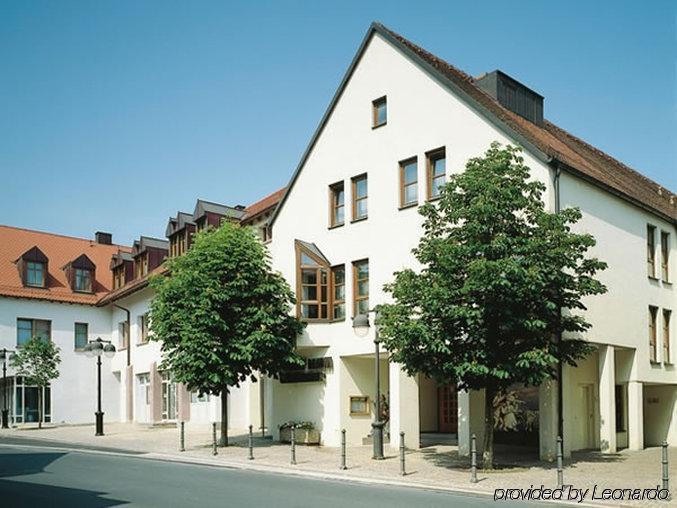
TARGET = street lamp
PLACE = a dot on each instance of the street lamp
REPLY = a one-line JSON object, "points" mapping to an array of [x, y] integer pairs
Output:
{"points": [[361, 329], [5, 355], [97, 348]]}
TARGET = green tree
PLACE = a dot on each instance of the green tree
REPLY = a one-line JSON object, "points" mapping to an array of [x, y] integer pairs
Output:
{"points": [[222, 315], [501, 279], [38, 361]]}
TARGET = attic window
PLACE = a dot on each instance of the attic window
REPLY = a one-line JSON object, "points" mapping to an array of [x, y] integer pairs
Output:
{"points": [[32, 267], [82, 280], [379, 109], [35, 274]]}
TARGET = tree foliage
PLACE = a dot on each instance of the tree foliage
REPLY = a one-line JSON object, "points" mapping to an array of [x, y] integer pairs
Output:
{"points": [[222, 314], [501, 278]]}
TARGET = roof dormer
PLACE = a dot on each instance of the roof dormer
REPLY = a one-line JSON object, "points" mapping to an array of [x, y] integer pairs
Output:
{"points": [[208, 214], [80, 274], [32, 266]]}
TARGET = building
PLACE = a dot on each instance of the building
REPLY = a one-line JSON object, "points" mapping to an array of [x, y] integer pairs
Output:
{"points": [[72, 290], [401, 121]]}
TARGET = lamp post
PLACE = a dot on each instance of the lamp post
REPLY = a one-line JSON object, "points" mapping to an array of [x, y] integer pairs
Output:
{"points": [[5, 354], [97, 348], [361, 328]]}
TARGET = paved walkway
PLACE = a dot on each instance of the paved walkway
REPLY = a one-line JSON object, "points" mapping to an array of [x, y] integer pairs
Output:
{"points": [[434, 466]]}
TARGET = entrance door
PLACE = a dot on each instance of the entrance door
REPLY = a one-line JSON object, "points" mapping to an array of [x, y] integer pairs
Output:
{"points": [[447, 409], [31, 404], [588, 420], [143, 398], [168, 399]]}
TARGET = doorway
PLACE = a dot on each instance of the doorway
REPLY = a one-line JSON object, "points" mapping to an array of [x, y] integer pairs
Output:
{"points": [[447, 409], [588, 420], [168, 399], [143, 398]]}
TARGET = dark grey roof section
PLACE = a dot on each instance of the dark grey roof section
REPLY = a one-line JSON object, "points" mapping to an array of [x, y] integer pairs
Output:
{"points": [[125, 256], [179, 222], [145, 242], [202, 207], [434, 73], [315, 250]]}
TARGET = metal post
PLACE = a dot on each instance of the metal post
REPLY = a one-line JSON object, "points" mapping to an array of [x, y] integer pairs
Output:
{"points": [[99, 413], [402, 469], [251, 443], [214, 451], [182, 448], [293, 444], [560, 472], [343, 450], [473, 459], [377, 424], [664, 462], [5, 411]]}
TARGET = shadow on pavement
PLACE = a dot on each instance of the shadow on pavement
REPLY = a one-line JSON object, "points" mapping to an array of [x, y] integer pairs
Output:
{"points": [[22, 494]]}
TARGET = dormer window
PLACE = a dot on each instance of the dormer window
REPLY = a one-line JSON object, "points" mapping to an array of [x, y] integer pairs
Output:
{"points": [[32, 267], [35, 274], [141, 266], [83, 280]]}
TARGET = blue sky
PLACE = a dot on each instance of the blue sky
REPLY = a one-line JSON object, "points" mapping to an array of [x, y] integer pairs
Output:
{"points": [[114, 115]]}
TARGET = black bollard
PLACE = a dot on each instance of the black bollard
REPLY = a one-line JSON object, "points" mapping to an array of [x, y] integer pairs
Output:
{"points": [[214, 451], [473, 459], [664, 462], [293, 445], [343, 449], [402, 469], [182, 447], [251, 443], [560, 472]]}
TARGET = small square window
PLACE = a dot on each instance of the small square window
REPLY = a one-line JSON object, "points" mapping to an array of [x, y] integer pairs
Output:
{"points": [[359, 405], [379, 112]]}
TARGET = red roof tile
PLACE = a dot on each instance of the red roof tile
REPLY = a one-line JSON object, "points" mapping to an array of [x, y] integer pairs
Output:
{"points": [[60, 250], [264, 204]]}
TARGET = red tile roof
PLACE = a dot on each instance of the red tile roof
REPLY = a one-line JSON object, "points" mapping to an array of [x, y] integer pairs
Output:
{"points": [[60, 250], [263, 205]]}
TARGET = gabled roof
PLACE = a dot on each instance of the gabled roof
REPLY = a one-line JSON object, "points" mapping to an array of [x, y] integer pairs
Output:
{"points": [[549, 143], [59, 251], [178, 223], [263, 205], [314, 249], [145, 242], [202, 207]]}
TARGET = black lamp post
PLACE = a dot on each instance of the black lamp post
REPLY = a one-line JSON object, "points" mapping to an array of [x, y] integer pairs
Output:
{"points": [[97, 348], [5, 354], [361, 327]]}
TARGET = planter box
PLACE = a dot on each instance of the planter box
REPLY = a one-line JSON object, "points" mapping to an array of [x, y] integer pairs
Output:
{"points": [[303, 436]]}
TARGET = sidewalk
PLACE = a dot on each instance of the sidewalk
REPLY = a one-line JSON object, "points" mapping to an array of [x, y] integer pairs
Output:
{"points": [[437, 467]]}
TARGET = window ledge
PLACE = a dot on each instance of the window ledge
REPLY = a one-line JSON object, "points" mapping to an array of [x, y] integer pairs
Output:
{"points": [[407, 206], [379, 125], [359, 220], [336, 226], [142, 343], [79, 349], [655, 363], [430, 200]]}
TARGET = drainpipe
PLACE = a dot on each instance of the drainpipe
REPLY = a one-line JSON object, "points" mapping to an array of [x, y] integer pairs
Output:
{"points": [[129, 384], [560, 387]]}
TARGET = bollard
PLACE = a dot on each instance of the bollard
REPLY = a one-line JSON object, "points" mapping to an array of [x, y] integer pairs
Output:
{"points": [[251, 443], [343, 449], [182, 448], [473, 459], [664, 462], [560, 472], [402, 469], [293, 445], [214, 451]]}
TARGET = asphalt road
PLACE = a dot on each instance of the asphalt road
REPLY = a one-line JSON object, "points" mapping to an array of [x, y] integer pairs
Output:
{"points": [[44, 477]]}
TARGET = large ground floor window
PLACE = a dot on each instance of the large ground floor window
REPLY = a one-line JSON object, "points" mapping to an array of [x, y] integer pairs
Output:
{"points": [[27, 400]]}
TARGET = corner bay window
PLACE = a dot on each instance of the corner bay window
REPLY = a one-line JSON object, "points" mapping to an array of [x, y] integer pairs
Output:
{"points": [[320, 288], [28, 328]]}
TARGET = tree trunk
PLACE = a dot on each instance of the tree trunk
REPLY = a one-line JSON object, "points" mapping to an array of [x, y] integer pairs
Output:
{"points": [[488, 455], [40, 407], [223, 441]]}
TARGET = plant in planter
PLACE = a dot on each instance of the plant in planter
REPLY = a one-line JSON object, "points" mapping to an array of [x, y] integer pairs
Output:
{"points": [[306, 433]]}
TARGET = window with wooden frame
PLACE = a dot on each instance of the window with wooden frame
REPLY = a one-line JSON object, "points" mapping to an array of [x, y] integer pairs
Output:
{"points": [[35, 274], [667, 314], [361, 287], [119, 276], [409, 182], [123, 334], [82, 280], [360, 195], [651, 250], [312, 276], [143, 328], [653, 311], [359, 405], [81, 335], [29, 328], [338, 280], [665, 256], [141, 265], [437, 172], [336, 205], [379, 112]]}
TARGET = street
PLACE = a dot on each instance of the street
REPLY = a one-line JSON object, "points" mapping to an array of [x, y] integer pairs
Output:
{"points": [[40, 476]]}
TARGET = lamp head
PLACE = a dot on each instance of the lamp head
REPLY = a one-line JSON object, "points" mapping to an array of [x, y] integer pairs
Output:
{"points": [[361, 325], [96, 347], [109, 350]]}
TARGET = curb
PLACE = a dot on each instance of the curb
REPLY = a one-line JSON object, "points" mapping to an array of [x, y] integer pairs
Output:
{"points": [[225, 464]]}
